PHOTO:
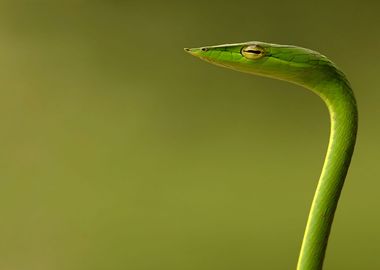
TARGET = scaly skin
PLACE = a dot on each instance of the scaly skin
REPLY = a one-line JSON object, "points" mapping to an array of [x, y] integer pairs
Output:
{"points": [[318, 74]]}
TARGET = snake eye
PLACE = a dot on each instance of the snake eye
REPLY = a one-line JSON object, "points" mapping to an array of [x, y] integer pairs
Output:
{"points": [[252, 52], [204, 49]]}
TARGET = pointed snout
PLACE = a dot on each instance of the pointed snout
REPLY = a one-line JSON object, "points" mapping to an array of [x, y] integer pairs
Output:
{"points": [[192, 51]]}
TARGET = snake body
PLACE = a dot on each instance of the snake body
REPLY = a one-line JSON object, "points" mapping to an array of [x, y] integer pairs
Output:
{"points": [[317, 73]]}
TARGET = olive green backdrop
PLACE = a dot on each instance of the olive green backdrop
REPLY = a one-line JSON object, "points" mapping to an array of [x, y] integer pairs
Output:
{"points": [[120, 151]]}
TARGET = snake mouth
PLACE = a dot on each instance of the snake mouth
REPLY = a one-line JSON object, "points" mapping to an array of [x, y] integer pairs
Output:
{"points": [[201, 53]]}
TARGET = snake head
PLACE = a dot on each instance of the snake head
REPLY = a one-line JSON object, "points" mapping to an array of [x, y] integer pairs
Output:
{"points": [[285, 62]]}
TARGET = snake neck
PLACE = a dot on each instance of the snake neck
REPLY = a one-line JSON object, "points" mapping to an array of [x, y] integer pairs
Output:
{"points": [[341, 103]]}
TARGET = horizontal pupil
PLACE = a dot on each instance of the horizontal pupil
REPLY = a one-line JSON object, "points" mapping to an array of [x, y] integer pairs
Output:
{"points": [[253, 51]]}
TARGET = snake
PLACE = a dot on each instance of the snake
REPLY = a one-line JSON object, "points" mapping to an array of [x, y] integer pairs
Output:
{"points": [[315, 72]]}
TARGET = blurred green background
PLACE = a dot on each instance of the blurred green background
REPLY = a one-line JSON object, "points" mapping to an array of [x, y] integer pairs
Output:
{"points": [[120, 151]]}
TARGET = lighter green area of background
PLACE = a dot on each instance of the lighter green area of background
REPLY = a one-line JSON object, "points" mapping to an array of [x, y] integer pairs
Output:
{"points": [[120, 151]]}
